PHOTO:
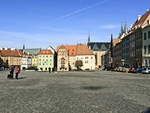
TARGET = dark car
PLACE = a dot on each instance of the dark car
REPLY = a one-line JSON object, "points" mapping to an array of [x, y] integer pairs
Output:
{"points": [[139, 70], [132, 70]]}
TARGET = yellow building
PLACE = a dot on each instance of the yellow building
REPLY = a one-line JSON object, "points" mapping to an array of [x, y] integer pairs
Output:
{"points": [[99, 49], [62, 59], [11, 56], [35, 60], [34, 52]]}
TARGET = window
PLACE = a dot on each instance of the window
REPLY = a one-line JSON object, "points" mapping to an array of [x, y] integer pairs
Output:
{"points": [[149, 34], [148, 49], [145, 36], [146, 63], [86, 61], [86, 57], [145, 49]]}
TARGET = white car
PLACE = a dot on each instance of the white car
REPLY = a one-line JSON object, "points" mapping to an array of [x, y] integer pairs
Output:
{"points": [[146, 70]]}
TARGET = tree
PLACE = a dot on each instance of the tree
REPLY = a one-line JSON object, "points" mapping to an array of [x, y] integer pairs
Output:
{"points": [[78, 64], [1, 62]]}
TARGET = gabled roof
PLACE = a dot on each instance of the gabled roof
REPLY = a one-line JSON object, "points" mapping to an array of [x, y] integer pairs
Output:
{"points": [[45, 52], [141, 21], [99, 46], [82, 49]]}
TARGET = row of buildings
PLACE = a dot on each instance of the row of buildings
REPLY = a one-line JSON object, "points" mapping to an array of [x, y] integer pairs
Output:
{"points": [[132, 47], [63, 58]]}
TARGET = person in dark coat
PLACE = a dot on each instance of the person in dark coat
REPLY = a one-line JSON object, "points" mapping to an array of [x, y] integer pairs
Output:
{"points": [[49, 69], [12, 71]]}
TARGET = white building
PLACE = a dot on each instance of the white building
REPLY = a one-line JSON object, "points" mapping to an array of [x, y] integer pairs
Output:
{"points": [[26, 62], [86, 56], [69, 54]]}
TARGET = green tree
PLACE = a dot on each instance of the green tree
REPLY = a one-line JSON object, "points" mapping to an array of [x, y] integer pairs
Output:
{"points": [[78, 64]]}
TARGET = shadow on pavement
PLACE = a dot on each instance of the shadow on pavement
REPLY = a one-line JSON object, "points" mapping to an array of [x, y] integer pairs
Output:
{"points": [[93, 88]]}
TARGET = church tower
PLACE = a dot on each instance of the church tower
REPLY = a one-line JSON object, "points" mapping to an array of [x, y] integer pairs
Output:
{"points": [[89, 39], [23, 47]]}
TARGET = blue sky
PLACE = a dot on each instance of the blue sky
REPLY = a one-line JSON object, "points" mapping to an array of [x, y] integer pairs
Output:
{"points": [[39, 23]]}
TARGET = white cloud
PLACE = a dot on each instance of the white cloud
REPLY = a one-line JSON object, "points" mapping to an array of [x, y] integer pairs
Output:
{"points": [[75, 12]]}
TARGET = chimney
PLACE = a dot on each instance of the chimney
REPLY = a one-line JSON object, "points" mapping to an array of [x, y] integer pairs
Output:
{"points": [[139, 17]]}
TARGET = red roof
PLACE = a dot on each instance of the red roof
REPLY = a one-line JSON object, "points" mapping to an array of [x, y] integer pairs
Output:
{"points": [[45, 52], [82, 49], [71, 49], [115, 41], [11, 53]]}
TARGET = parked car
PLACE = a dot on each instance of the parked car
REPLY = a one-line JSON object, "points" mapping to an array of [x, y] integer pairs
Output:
{"points": [[2, 68], [139, 70], [132, 70], [146, 70], [32, 69]]}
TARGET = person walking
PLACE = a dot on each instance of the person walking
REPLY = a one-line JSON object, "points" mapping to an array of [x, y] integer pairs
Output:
{"points": [[11, 75], [17, 71], [49, 69]]}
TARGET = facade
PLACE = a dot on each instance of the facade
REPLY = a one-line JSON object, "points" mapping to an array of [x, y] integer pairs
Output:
{"points": [[34, 60], [34, 52], [106, 59], [117, 55], [45, 60], [125, 51], [146, 46], [67, 55], [99, 49], [86, 56], [26, 62], [62, 59], [11, 57], [133, 47], [132, 61]]}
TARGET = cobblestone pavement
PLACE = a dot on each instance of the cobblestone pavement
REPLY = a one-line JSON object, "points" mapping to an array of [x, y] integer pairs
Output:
{"points": [[74, 92]]}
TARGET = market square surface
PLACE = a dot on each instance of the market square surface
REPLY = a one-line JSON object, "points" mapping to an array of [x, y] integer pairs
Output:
{"points": [[74, 92]]}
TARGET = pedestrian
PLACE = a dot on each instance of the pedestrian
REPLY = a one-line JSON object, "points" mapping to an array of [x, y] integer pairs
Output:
{"points": [[49, 70], [17, 71], [11, 75]]}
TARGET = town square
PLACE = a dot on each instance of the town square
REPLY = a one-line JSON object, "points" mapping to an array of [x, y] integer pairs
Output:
{"points": [[74, 56], [74, 92]]}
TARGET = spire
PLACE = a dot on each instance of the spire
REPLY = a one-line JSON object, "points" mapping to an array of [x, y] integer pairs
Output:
{"points": [[23, 46], [89, 39]]}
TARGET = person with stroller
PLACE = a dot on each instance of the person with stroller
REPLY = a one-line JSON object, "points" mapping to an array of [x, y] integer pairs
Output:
{"points": [[10, 76]]}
